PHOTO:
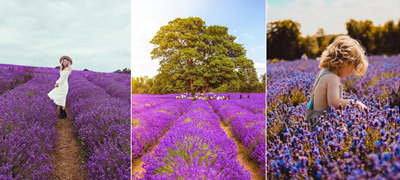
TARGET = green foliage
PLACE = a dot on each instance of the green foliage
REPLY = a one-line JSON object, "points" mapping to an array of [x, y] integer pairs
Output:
{"points": [[285, 42], [196, 58], [141, 85], [376, 39]]}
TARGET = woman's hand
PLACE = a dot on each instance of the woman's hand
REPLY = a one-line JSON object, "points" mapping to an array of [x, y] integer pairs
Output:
{"points": [[361, 106], [55, 85]]}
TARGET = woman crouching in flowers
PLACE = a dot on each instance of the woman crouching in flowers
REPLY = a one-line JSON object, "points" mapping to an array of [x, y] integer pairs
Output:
{"points": [[341, 58]]}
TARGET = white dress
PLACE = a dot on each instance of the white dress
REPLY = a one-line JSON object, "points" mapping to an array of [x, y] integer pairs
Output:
{"points": [[59, 94]]}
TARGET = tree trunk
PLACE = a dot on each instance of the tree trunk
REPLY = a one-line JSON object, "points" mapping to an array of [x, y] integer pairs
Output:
{"points": [[204, 91], [192, 91], [193, 94]]}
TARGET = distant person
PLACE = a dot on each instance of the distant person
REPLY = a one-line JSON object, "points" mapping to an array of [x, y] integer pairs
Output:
{"points": [[248, 96], [229, 96], [240, 96], [341, 58], [304, 56], [60, 91]]}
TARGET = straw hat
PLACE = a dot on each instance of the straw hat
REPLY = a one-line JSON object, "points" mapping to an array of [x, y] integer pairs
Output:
{"points": [[67, 58]]}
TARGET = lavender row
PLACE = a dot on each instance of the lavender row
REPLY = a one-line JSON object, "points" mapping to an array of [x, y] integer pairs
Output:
{"points": [[113, 87], [142, 103], [195, 147], [27, 131], [381, 80], [255, 106], [247, 127], [149, 125], [12, 76], [103, 124]]}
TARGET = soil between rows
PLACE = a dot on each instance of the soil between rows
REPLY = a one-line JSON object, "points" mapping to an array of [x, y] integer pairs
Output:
{"points": [[68, 153]]}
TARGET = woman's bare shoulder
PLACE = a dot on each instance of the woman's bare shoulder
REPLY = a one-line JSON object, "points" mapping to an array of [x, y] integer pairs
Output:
{"points": [[67, 69]]}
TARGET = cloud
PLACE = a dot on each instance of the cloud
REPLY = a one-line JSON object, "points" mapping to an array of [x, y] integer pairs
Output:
{"points": [[246, 35], [96, 34], [260, 68]]}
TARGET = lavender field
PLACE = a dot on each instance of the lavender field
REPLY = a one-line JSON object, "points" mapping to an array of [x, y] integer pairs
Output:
{"points": [[97, 103], [185, 139], [349, 144]]}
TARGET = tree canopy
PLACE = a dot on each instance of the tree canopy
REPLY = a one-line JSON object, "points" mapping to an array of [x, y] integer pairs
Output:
{"points": [[195, 57], [283, 39]]}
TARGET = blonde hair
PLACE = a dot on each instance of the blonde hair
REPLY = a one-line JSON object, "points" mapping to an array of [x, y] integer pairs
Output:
{"points": [[344, 50], [63, 67]]}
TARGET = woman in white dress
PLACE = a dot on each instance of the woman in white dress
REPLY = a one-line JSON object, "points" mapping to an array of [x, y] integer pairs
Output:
{"points": [[60, 91]]}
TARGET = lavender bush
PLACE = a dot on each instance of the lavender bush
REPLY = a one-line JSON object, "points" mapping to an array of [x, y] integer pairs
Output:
{"points": [[115, 88], [195, 148], [349, 143], [149, 125], [247, 127], [12, 76], [27, 118], [103, 125], [27, 132]]}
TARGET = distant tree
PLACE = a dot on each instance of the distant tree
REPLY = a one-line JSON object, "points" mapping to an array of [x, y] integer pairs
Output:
{"points": [[123, 71], [364, 32], [376, 39], [141, 85], [283, 40], [126, 71], [323, 41], [262, 83], [57, 67], [196, 58], [391, 38], [309, 45], [85, 69]]}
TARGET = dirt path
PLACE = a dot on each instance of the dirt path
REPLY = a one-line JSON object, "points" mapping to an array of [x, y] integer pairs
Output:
{"points": [[68, 153], [243, 155], [137, 164]]}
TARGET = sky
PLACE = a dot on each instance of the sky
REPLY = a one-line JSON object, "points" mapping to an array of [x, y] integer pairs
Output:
{"points": [[245, 20], [95, 34], [332, 15]]}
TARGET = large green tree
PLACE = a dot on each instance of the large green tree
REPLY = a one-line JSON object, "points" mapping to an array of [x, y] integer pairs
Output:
{"points": [[195, 57]]}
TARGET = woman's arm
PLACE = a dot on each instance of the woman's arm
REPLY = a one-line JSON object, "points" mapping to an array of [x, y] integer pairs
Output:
{"points": [[62, 79]]}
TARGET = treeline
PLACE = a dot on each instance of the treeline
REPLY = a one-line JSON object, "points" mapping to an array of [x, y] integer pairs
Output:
{"points": [[284, 40], [123, 71], [146, 85]]}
